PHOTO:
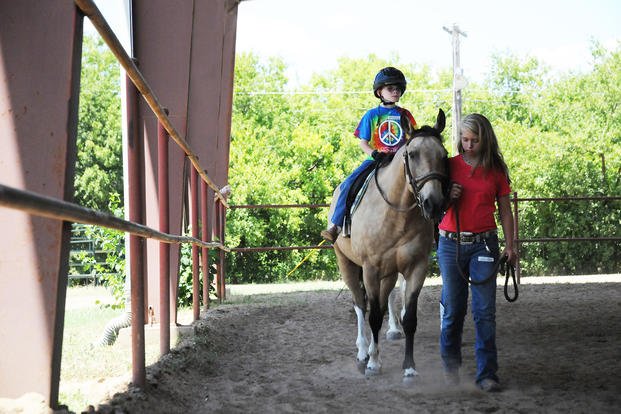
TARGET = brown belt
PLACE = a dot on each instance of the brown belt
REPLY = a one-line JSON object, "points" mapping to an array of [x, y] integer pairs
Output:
{"points": [[467, 237]]}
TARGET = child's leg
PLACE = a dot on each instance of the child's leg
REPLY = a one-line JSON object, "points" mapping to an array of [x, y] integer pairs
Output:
{"points": [[339, 209]]}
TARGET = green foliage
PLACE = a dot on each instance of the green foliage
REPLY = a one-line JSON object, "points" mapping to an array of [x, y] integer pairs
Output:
{"points": [[99, 169], [560, 138], [99, 173], [185, 293], [107, 260]]}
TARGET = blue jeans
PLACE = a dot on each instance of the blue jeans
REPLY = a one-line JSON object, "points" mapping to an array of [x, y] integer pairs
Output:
{"points": [[477, 259], [339, 209]]}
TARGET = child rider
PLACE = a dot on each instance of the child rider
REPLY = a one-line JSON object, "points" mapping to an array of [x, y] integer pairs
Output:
{"points": [[379, 133]]}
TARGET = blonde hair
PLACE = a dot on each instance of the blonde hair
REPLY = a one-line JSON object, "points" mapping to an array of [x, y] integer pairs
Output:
{"points": [[490, 157]]}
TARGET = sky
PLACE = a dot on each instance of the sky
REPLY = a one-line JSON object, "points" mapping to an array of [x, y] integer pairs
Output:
{"points": [[310, 35]]}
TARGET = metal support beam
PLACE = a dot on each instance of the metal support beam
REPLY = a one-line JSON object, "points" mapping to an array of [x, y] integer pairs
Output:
{"points": [[205, 227], [195, 259], [136, 245], [164, 253]]}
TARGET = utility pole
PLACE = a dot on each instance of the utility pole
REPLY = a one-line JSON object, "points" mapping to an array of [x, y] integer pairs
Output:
{"points": [[458, 82]]}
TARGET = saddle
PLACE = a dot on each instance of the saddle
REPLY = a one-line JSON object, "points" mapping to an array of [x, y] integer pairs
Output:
{"points": [[357, 190]]}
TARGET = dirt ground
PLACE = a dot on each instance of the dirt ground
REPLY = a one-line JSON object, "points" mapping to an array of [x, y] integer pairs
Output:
{"points": [[559, 352]]}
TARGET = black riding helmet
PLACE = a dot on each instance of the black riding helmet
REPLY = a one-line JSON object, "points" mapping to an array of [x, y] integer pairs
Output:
{"points": [[389, 76]]}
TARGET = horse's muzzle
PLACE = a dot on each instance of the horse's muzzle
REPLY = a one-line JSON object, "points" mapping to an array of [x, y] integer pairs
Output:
{"points": [[432, 208]]}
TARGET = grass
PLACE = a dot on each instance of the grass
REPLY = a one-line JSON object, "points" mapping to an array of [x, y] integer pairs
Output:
{"points": [[90, 374]]}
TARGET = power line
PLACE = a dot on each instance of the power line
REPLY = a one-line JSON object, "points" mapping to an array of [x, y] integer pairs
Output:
{"points": [[253, 93], [446, 90]]}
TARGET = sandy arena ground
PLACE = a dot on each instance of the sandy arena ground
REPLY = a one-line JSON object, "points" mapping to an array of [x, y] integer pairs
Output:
{"points": [[559, 352]]}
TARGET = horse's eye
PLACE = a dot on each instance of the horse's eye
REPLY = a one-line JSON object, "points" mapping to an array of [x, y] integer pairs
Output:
{"points": [[414, 156]]}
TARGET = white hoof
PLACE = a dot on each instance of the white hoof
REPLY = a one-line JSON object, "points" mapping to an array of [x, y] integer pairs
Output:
{"points": [[394, 335], [362, 356], [372, 371], [410, 373]]}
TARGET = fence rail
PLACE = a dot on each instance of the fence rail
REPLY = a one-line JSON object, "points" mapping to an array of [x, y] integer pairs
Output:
{"points": [[49, 207], [515, 201]]}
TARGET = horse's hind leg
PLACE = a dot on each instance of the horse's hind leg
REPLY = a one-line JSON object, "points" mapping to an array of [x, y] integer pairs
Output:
{"points": [[395, 331]]}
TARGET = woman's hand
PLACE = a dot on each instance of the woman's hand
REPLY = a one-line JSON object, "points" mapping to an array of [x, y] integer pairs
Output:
{"points": [[506, 219], [511, 255], [455, 192]]}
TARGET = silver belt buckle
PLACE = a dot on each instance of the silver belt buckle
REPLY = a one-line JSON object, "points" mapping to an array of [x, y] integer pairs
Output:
{"points": [[468, 236]]}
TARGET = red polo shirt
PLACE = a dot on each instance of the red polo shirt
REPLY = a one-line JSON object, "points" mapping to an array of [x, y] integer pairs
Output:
{"points": [[477, 203]]}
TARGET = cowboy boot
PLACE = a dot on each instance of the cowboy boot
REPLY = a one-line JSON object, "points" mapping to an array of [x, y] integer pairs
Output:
{"points": [[331, 233]]}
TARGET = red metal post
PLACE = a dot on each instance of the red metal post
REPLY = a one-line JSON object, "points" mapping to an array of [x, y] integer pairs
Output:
{"points": [[195, 261], [134, 157], [221, 217], [216, 231], [205, 238], [164, 225], [516, 232]]}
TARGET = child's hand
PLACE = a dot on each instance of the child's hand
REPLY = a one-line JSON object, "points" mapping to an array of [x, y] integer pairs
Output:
{"points": [[378, 155]]}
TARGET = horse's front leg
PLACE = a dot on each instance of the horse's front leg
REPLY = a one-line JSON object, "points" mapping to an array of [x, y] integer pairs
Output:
{"points": [[362, 342], [377, 292], [414, 283], [352, 276], [395, 331]]}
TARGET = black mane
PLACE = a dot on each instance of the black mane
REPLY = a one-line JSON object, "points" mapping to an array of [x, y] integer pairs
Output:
{"points": [[427, 130]]}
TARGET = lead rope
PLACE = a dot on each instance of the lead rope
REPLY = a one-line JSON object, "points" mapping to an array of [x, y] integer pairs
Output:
{"points": [[509, 269]]}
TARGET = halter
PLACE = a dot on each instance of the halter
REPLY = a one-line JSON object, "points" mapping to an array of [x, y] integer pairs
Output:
{"points": [[416, 183]]}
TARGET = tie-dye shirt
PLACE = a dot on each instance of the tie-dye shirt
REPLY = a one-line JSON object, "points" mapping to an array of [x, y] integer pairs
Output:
{"points": [[381, 126]]}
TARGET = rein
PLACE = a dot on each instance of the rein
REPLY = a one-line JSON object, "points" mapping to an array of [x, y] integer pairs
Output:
{"points": [[509, 269], [416, 183]]}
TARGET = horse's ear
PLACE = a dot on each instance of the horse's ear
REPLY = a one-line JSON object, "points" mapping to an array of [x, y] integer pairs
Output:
{"points": [[408, 129], [440, 121]]}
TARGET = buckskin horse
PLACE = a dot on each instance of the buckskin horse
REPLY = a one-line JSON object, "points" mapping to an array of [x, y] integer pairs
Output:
{"points": [[392, 233]]}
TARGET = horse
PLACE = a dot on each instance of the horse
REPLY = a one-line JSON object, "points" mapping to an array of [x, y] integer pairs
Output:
{"points": [[392, 232]]}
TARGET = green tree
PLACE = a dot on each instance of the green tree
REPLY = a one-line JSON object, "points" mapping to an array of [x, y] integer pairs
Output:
{"points": [[567, 146], [295, 147], [99, 169], [560, 137], [272, 153], [511, 88]]}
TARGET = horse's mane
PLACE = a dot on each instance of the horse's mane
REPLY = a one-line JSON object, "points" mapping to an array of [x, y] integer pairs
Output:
{"points": [[427, 130], [424, 131]]}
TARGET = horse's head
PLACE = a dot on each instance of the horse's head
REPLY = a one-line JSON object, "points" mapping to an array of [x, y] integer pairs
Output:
{"points": [[426, 165]]}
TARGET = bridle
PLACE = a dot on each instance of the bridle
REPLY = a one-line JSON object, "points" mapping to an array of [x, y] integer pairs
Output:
{"points": [[416, 183]]}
